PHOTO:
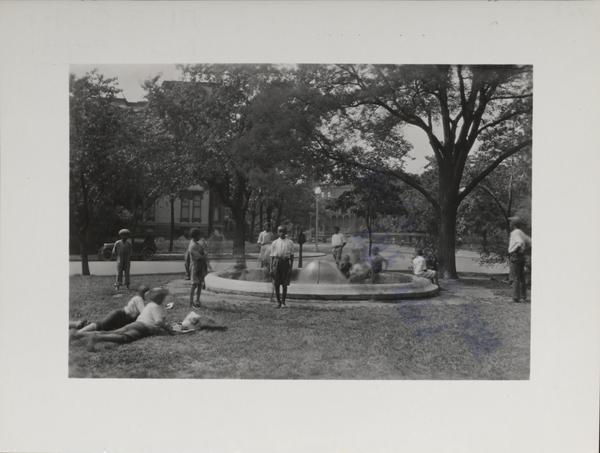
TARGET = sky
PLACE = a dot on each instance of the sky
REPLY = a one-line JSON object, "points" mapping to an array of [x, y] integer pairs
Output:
{"points": [[132, 76]]}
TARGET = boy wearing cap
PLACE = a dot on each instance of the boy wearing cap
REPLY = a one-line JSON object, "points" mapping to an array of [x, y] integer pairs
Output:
{"points": [[518, 244], [151, 321], [282, 260], [122, 252]]}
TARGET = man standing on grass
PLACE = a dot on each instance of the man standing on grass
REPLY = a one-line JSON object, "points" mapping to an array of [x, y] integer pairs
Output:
{"points": [[282, 260], [518, 244], [338, 241]]}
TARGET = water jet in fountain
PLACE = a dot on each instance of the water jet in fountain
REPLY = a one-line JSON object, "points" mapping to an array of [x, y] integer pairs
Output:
{"points": [[320, 271]]}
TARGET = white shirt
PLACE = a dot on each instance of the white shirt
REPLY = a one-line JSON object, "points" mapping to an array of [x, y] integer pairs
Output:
{"points": [[518, 240], [197, 250], [337, 240], [264, 237], [282, 248], [135, 306], [419, 265], [152, 315]]}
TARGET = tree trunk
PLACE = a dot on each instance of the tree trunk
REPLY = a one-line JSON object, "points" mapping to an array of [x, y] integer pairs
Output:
{"points": [[239, 238], [279, 214], [85, 266], [447, 240], [370, 233], [211, 198], [261, 214], [252, 220], [270, 216], [172, 234]]}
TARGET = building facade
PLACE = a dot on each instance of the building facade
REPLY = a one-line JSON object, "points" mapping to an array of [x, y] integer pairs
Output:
{"points": [[196, 207]]}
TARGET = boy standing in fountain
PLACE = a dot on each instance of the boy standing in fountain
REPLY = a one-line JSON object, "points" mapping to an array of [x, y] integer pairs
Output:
{"points": [[282, 260], [338, 241]]}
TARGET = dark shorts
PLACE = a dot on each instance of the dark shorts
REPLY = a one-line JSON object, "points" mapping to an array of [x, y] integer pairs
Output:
{"points": [[199, 269], [136, 330], [281, 271], [114, 320], [337, 253]]}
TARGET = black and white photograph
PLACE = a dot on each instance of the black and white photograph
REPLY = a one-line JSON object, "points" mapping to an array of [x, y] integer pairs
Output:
{"points": [[298, 221], [298, 226]]}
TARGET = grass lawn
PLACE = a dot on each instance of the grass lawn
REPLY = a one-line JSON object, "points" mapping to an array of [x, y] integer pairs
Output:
{"points": [[470, 331]]}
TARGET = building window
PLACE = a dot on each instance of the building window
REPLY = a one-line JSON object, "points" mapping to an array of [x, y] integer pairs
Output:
{"points": [[185, 210], [197, 208]]}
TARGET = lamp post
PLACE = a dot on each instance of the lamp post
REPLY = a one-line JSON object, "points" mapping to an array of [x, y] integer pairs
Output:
{"points": [[317, 193]]}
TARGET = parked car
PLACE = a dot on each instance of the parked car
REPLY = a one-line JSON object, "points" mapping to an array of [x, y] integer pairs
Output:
{"points": [[142, 250]]}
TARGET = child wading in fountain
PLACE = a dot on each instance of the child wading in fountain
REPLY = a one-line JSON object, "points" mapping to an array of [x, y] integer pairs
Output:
{"points": [[198, 265], [150, 322], [345, 266], [120, 317], [338, 241], [420, 268], [282, 260], [377, 262], [122, 252]]}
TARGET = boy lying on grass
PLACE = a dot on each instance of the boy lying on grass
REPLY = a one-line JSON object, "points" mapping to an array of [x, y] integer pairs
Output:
{"points": [[116, 318], [151, 321]]}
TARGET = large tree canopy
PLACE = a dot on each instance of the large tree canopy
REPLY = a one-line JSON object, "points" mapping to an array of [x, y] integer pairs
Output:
{"points": [[104, 167], [238, 124], [458, 108]]}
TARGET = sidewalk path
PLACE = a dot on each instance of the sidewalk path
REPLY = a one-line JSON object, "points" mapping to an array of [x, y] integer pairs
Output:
{"points": [[400, 259]]}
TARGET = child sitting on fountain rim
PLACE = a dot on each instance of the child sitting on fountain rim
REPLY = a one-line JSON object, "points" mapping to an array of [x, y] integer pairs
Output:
{"points": [[282, 260], [420, 268]]}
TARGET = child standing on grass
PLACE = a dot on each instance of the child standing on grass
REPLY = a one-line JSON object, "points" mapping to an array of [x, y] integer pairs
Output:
{"points": [[198, 265], [282, 260], [151, 321], [187, 260], [120, 317], [122, 252]]}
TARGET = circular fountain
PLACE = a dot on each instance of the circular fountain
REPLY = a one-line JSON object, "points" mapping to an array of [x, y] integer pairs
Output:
{"points": [[322, 280]]}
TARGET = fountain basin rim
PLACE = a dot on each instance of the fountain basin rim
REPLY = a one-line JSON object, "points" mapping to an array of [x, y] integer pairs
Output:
{"points": [[419, 288]]}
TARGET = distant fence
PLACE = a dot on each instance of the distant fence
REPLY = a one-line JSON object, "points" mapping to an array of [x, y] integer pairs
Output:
{"points": [[386, 238]]}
